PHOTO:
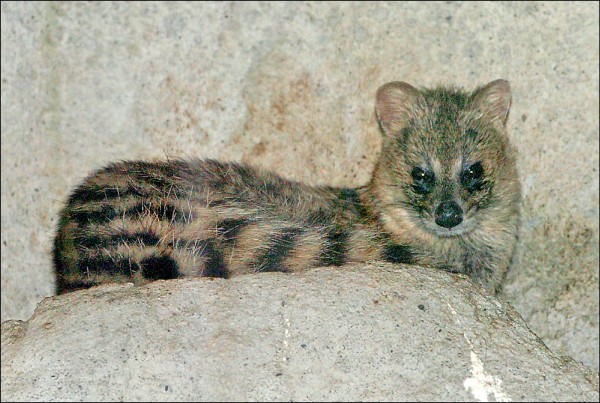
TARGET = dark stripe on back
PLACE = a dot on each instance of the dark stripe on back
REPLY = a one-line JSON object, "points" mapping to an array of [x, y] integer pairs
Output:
{"points": [[350, 197], [228, 230], [280, 246], [85, 217], [87, 194], [214, 265], [145, 178], [398, 254], [149, 175], [107, 265], [107, 213], [217, 175], [162, 211], [336, 246], [97, 241]]}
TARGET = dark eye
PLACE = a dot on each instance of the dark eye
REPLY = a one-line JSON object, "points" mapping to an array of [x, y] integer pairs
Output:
{"points": [[424, 180], [472, 177]]}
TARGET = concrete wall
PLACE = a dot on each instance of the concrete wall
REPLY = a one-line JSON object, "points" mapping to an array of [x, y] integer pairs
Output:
{"points": [[290, 87]]}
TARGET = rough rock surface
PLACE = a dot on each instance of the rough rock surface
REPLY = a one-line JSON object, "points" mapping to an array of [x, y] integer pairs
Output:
{"points": [[290, 86], [379, 332]]}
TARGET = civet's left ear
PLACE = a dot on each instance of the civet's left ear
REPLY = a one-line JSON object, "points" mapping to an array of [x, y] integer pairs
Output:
{"points": [[394, 104], [494, 100]]}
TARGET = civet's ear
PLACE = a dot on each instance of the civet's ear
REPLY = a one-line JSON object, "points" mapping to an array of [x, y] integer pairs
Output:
{"points": [[394, 104], [493, 100]]}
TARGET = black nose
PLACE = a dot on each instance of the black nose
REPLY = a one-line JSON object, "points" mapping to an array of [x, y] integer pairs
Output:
{"points": [[448, 215]]}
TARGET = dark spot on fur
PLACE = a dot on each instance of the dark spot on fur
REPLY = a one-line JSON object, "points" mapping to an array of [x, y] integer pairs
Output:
{"points": [[350, 197], [280, 246], [159, 268], [334, 253], [214, 263], [228, 230], [398, 254]]}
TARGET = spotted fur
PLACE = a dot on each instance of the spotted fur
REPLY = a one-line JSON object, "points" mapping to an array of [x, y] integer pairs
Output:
{"points": [[142, 221]]}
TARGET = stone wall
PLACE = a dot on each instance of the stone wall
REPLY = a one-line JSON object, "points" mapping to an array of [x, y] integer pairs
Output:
{"points": [[290, 87]]}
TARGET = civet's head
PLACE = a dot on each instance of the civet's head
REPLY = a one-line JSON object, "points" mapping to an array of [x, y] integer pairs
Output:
{"points": [[446, 166]]}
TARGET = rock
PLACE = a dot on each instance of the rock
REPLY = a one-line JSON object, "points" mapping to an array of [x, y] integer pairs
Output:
{"points": [[374, 332]]}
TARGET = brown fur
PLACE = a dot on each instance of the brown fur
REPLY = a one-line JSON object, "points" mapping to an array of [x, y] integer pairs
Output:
{"points": [[140, 221]]}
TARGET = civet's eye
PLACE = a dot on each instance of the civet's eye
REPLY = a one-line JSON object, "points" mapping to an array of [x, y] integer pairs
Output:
{"points": [[424, 180], [472, 177]]}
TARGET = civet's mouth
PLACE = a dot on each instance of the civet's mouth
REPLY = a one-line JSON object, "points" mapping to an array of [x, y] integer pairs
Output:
{"points": [[466, 225]]}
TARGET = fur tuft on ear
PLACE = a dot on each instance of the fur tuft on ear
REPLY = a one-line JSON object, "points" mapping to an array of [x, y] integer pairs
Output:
{"points": [[493, 100], [393, 106]]}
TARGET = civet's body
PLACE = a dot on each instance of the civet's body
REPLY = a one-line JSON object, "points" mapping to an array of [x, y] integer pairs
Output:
{"points": [[444, 193]]}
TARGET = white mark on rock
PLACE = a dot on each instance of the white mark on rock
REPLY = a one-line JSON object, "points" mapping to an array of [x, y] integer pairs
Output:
{"points": [[286, 332], [286, 336], [452, 310], [481, 384]]}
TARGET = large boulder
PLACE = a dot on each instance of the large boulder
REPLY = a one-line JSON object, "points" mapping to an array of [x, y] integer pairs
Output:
{"points": [[374, 332]]}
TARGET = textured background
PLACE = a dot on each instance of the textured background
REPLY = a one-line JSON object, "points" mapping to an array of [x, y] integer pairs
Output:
{"points": [[290, 87]]}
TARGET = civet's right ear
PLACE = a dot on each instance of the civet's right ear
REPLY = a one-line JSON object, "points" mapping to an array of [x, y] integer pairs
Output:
{"points": [[394, 105]]}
